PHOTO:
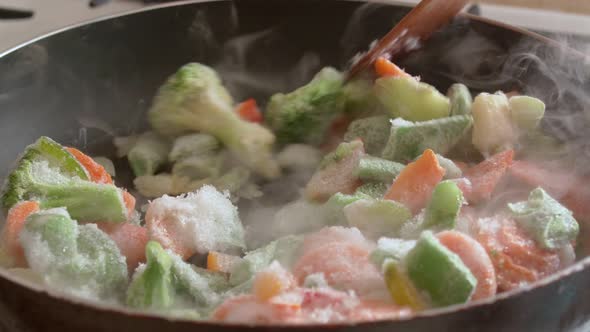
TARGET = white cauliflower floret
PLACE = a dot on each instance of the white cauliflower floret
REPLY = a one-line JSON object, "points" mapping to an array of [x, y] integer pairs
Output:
{"points": [[197, 222]]}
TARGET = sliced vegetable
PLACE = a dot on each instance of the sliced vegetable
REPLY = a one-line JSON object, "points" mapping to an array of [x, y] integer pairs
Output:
{"points": [[439, 272], [373, 189], [377, 218], [415, 183], [526, 111], [444, 206], [198, 167], [386, 68], [377, 169], [401, 288], [148, 154], [193, 145], [131, 240], [96, 171], [360, 99], [304, 115], [249, 111], [460, 98], [550, 223], [409, 139], [484, 176], [107, 164], [10, 242], [492, 124], [372, 131], [336, 173], [410, 99], [217, 261]]}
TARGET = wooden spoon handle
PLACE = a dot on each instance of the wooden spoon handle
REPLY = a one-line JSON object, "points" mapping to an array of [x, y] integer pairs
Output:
{"points": [[423, 20]]}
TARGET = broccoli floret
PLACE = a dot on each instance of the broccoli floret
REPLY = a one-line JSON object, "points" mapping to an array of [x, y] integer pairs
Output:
{"points": [[304, 115], [47, 173], [193, 99], [148, 154]]}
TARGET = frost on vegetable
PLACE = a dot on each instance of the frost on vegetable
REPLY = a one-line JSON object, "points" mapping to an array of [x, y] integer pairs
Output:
{"points": [[50, 175], [197, 222], [452, 171], [81, 260], [409, 139], [373, 131], [336, 172], [390, 248], [376, 218], [551, 224], [445, 204], [460, 99], [193, 99], [410, 99], [193, 145], [493, 130], [373, 189], [149, 154], [304, 115], [374, 169]]}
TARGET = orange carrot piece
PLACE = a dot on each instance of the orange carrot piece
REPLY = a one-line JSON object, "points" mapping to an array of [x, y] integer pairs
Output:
{"points": [[384, 68], [271, 282], [484, 176], [97, 173], [217, 261], [249, 111], [131, 240], [129, 201], [415, 183], [15, 221]]}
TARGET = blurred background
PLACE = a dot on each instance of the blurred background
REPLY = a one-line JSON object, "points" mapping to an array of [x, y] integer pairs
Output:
{"points": [[22, 20]]}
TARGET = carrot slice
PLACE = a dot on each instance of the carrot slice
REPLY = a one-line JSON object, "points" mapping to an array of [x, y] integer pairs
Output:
{"points": [[97, 173], [131, 240], [15, 221], [415, 183], [384, 68], [484, 176], [129, 201], [217, 261], [249, 111]]}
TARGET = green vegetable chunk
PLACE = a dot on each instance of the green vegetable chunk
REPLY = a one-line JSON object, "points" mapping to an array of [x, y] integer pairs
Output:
{"points": [[193, 145], [304, 115], [445, 204], [193, 99], [550, 223], [152, 285], [439, 272], [377, 218], [360, 98], [526, 111], [80, 260], [373, 189], [333, 208], [377, 169], [410, 99], [409, 139], [460, 98], [48, 174], [373, 131], [148, 154]]}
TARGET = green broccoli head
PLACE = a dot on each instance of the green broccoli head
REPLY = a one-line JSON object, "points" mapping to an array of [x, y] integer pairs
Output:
{"points": [[47, 173], [193, 99], [304, 115]]}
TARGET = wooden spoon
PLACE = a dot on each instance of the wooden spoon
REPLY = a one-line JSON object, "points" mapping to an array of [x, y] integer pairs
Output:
{"points": [[423, 20]]}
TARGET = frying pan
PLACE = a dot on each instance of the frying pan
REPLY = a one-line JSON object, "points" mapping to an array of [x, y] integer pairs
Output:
{"points": [[84, 84]]}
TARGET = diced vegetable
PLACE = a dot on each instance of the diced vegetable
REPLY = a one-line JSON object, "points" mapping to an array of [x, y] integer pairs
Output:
{"points": [[410, 99], [526, 111], [372, 131], [377, 169], [484, 176], [415, 183], [336, 173], [444, 206], [550, 223], [193, 99], [197, 222], [360, 99], [193, 145], [439, 272], [272, 281], [460, 98], [409, 139], [377, 218], [131, 240], [198, 167], [148, 154], [390, 249], [50, 175], [96, 172], [15, 221], [492, 125], [400, 287], [249, 111], [386, 68], [304, 115], [475, 257], [373, 189], [107, 164], [217, 261]]}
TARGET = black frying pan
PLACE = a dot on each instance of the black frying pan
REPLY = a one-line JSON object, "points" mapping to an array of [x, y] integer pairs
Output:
{"points": [[89, 82]]}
